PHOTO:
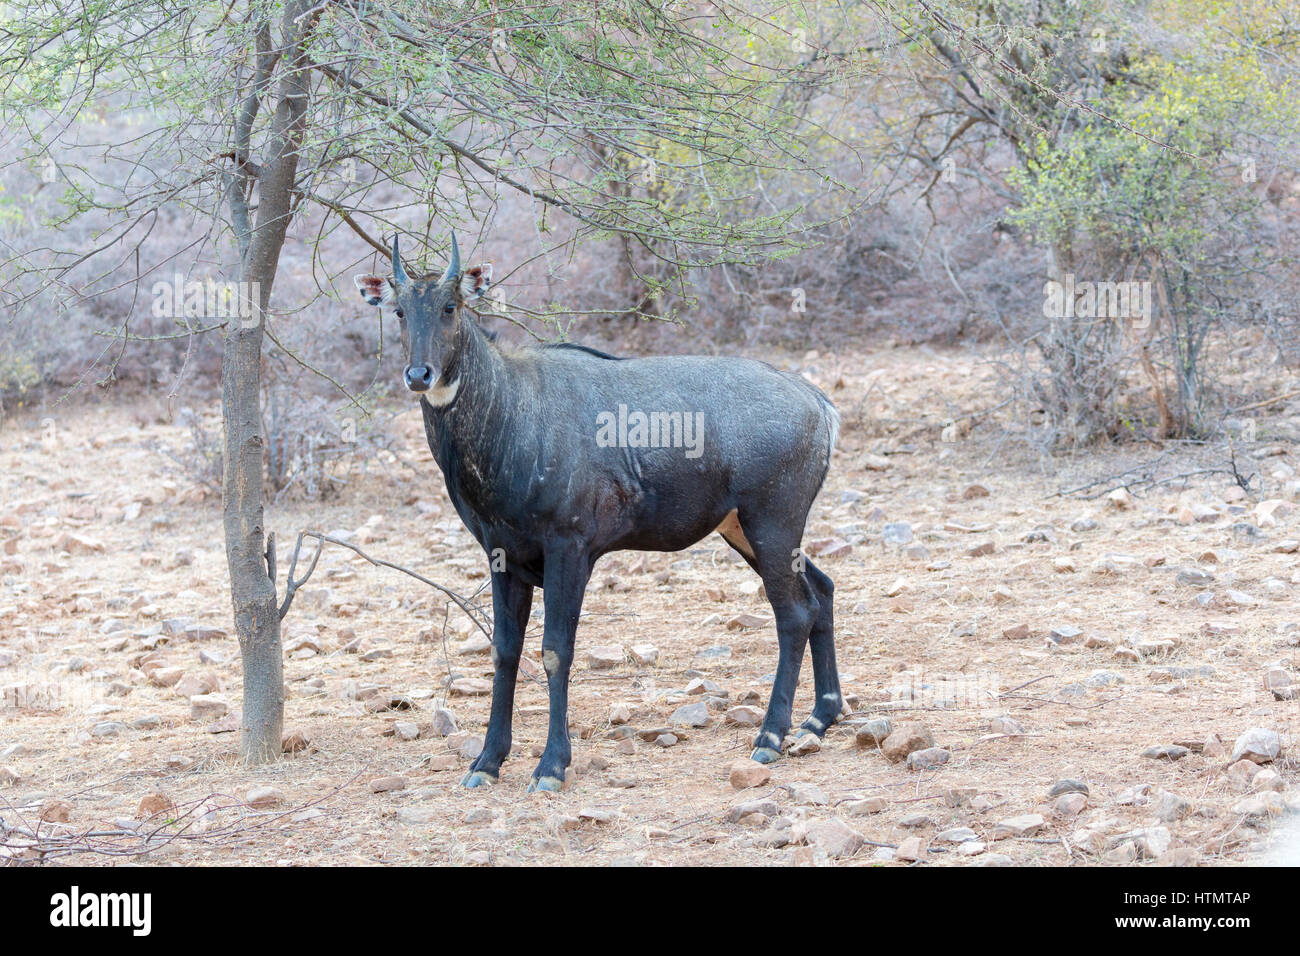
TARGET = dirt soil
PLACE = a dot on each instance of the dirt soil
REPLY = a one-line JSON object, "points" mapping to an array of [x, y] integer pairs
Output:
{"points": [[1035, 637]]}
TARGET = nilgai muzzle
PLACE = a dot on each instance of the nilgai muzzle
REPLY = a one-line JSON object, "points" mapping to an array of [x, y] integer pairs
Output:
{"points": [[556, 455]]}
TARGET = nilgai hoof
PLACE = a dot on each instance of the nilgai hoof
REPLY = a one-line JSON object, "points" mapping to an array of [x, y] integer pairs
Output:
{"points": [[765, 755], [547, 784], [478, 778]]}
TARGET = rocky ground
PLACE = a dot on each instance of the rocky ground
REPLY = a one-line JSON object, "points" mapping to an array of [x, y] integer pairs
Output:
{"points": [[1035, 678]]}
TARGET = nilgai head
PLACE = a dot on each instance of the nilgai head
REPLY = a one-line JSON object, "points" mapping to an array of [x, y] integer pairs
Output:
{"points": [[428, 310]]}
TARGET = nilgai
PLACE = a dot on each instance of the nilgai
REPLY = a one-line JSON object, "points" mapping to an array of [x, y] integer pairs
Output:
{"points": [[556, 455]]}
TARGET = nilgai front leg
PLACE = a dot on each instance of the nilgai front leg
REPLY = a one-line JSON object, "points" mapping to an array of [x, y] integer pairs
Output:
{"points": [[512, 599], [564, 580]]}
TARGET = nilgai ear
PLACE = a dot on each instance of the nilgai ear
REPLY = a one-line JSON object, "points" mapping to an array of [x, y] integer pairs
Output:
{"points": [[376, 290], [475, 281]]}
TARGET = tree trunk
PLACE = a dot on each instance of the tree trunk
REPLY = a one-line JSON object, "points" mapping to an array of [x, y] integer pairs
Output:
{"points": [[257, 618], [252, 585]]}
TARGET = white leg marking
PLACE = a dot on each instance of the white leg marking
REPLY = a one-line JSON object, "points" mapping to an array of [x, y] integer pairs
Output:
{"points": [[550, 662], [775, 740], [833, 698], [816, 724]]}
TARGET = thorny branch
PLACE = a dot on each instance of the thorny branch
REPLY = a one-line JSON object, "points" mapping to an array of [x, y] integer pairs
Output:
{"points": [[473, 611]]}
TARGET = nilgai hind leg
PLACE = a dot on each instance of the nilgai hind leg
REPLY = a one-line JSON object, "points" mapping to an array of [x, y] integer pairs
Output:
{"points": [[801, 596]]}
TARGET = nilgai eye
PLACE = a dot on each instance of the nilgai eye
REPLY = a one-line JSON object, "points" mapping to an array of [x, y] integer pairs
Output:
{"points": [[401, 314], [448, 309]]}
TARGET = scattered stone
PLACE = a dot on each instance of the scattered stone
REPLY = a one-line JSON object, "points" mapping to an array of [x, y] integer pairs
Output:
{"points": [[1006, 725], [444, 722], [906, 739], [909, 850], [1147, 842], [744, 716], [867, 806], [691, 715], [805, 745], [956, 835], [644, 654], [807, 794], [406, 730], [56, 811], [1070, 804], [835, 837], [746, 774], [262, 797], [605, 657], [1165, 752], [1025, 825], [1170, 807], [153, 804], [873, 732], [1258, 745], [1068, 785], [1193, 578], [294, 741], [702, 685], [1260, 807], [1269, 779], [470, 687], [928, 759], [208, 706], [896, 533], [386, 784]]}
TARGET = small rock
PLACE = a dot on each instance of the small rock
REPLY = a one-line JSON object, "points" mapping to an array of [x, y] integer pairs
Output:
{"points": [[744, 716], [604, 658], [56, 811], [1170, 807], [153, 804], [262, 797], [874, 732], [1070, 804], [1006, 725], [835, 837], [906, 739], [1068, 785], [386, 784], [1165, 752], [208, 706], [807, 794], [805, 745], [746, 774], [909, 850], [956, 835], [1258, 745], [294, 741], [644, 654], [928, 759], [1020, 826], [691, 715]]}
